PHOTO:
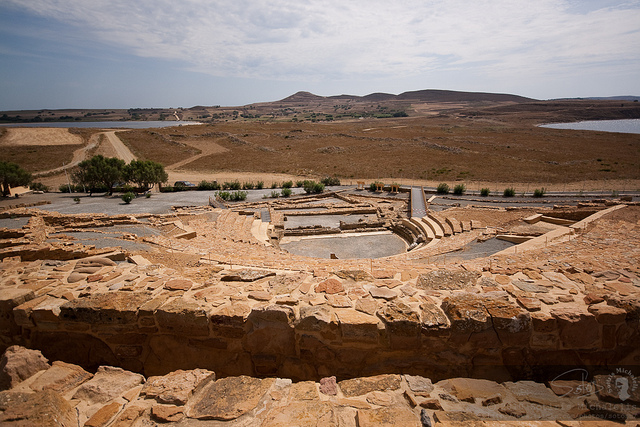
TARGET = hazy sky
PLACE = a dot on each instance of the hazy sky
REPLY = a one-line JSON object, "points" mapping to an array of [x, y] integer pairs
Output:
{"points": [[181, 53]]}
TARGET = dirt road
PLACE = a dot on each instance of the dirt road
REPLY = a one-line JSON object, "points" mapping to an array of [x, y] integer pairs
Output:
{"points": [[121, 150]]}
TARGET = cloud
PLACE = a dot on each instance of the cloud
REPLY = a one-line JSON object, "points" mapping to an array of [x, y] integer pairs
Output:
{"points": [[333, 39]]}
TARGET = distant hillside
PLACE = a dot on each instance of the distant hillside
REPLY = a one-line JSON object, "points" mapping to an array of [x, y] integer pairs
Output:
{"points": [[428, 95], [608, 98], [301, 97]]}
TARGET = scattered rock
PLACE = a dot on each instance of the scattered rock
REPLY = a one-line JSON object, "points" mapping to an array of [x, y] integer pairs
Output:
{"points": [[329, 386], [41, 409], [61, 377], [176, 388], [18, 364], [107, 384]]}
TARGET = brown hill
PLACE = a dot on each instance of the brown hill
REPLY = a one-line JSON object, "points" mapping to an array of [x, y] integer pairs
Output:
{"points": [[427, 95], [303, 97]]}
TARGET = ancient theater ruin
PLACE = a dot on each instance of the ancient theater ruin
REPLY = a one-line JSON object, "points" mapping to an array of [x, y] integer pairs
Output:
{"points": [[346, 308]]}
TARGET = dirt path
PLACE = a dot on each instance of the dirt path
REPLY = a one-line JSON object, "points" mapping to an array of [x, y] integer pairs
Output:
{"points": [[121, 150], [78, 155]]}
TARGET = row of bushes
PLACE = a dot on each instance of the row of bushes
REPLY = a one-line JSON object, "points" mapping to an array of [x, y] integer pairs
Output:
{"points": [[233, 196], [460, 189], [236, 185]]}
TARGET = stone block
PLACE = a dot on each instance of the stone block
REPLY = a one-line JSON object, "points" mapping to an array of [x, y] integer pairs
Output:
{"points": [[9, 299], [607, 314], [357, 326], [183, 317], [113, 308], [578, 329], [315, 318], [403, 325], [466, 313]]}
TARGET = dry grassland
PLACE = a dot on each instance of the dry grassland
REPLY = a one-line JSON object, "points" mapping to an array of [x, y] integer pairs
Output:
{"points": [[42, 149], [158, 146], [435, 149]]}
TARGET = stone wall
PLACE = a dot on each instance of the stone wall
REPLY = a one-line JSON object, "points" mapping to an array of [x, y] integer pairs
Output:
{"points": [[440, 323]]}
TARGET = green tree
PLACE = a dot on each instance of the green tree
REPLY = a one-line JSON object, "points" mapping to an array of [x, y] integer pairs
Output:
{"points": [[12, 175], [145, 173], [106, 171]]}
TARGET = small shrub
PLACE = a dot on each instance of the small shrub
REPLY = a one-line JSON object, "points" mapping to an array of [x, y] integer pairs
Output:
{"points": [[299, 184], [330, 181], [274, 185], [238, 196], [442, 188], [374, 185], [287, 184], [509, 192], [248, 186], [539, 192], [147, 195], [167, 189], [485, 192], [233, 185], [224, 195], [459, 189], [38, 186], [260, 185], [313, 187], [286, 192], [76, 199], [128, 197], [274, 194]]}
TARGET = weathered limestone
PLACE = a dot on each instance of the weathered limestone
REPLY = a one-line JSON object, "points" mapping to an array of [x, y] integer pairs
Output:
{"points": [[18, 364]]}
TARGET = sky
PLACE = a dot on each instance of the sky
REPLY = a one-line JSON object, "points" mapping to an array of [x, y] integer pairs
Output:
{"points": [[58, 54]]}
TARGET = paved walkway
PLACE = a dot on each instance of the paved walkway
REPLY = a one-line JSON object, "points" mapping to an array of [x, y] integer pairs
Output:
{"points": [[418, 207]]}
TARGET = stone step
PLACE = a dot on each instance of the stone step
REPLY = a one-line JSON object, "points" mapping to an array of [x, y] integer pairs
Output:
{"points": [[454, 224], [435, 227], [446, 229]]}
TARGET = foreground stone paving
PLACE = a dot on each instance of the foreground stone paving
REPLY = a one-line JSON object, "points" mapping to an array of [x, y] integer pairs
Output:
{"points": [[403, 336], [67, 395]]}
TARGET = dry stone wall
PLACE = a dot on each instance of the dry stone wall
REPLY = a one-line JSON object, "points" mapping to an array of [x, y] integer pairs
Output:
{"points": [[440, 323]]}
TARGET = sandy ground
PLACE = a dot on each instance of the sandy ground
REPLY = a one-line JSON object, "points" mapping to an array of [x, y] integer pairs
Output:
{"points": [[40, 136]]}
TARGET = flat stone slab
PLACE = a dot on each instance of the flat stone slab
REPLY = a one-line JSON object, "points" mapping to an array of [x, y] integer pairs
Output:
{"points": [[228, 398], [108, 383], [530, 287], [176, 387], [61, 377], [246, 275], [360, 386], [447, 280]]}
